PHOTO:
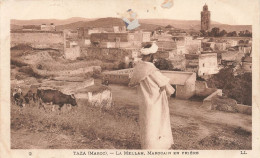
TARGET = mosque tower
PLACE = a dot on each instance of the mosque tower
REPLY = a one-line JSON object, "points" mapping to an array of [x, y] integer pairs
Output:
{"points": [[205, 18]]}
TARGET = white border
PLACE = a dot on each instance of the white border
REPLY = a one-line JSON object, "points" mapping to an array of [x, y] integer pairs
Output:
{"points": [[5, 150]]}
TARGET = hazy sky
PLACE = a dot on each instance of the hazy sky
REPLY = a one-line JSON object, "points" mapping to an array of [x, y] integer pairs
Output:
{"points": [[224, 11]]}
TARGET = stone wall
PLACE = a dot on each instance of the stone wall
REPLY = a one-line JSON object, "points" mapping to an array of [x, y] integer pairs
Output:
{"points": [[184, 82], [38, 39], [179, 77], [184, 91], [72, 53], [68, 86], [215, 101], [202, 89], [96, 95], [106, 54], [244, 109], [55, 73], [207, 102], [117, 78], [101, 99]]}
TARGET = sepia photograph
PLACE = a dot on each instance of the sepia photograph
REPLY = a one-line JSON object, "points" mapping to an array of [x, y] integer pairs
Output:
{"points": [[169, 75]]}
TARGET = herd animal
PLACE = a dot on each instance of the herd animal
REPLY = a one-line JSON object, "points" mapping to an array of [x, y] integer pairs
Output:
{"points": [[55, 97], [41, 97]]}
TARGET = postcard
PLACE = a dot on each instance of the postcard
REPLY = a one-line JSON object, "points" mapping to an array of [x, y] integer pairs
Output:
{"points": [[130, 78]]}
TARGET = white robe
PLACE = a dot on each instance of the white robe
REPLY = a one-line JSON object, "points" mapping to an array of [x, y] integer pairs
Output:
{"points": [[154, 116]]}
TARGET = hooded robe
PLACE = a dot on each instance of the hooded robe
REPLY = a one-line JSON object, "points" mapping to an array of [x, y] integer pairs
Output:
{"points": [[154, 116]]}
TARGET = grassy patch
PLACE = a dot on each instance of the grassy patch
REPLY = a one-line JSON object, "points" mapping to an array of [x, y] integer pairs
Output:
{"points": [[85, 122]]}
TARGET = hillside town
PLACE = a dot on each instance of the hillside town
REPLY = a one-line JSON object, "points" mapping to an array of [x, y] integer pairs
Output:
{"points": [[187, 51], [204, 52], [93, 65]]}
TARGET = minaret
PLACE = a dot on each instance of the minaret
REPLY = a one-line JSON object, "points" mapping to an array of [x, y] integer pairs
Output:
{"points": [[205, 18]]}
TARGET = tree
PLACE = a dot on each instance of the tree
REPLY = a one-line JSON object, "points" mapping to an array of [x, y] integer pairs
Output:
{"points": [[163, 64], [215, 32], [242, 89], [168, 26], [223, 78], [223, 33], [232, 34], [241, 33], [236, 87], [159, 30], [248, 33], [245, 33]]}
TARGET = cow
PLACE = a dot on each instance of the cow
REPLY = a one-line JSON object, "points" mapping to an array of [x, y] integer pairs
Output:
{"points": [[33, 89], [19, 99], [30, 96], [54, 97]]}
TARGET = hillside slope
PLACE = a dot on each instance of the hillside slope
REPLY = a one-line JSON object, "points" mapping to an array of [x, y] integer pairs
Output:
{"points": [[147, 24]]}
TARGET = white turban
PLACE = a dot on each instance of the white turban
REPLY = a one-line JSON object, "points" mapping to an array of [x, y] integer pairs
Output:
{"points": [[146, 51]]}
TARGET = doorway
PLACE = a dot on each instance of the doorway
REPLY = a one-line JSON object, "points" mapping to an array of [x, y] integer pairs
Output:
{"points": [[174, 94]]}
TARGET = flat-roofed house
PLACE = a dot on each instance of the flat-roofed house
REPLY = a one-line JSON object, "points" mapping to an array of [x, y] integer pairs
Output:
{"points": [[183, 82], [202, 64]]}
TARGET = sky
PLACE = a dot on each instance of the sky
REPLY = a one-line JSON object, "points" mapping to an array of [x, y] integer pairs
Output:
{"points": [[234, 12]]}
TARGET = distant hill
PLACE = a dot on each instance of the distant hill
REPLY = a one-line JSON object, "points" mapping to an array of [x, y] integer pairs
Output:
{"points": [[102, 22], [184, 24], [48, 21], [195, 24], [147, 24], [16, 27]]}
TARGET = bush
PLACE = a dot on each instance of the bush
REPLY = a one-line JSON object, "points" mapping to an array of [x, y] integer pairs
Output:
{"points": [[224, 104], [121, 65], [236, 87], [163, 64], [131, 65]]}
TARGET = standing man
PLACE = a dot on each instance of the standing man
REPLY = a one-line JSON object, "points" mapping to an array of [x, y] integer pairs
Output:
{"points": [[152, 88]]}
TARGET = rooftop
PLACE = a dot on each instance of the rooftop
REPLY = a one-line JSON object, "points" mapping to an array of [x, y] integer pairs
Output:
{"points": [[35, 31]]}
